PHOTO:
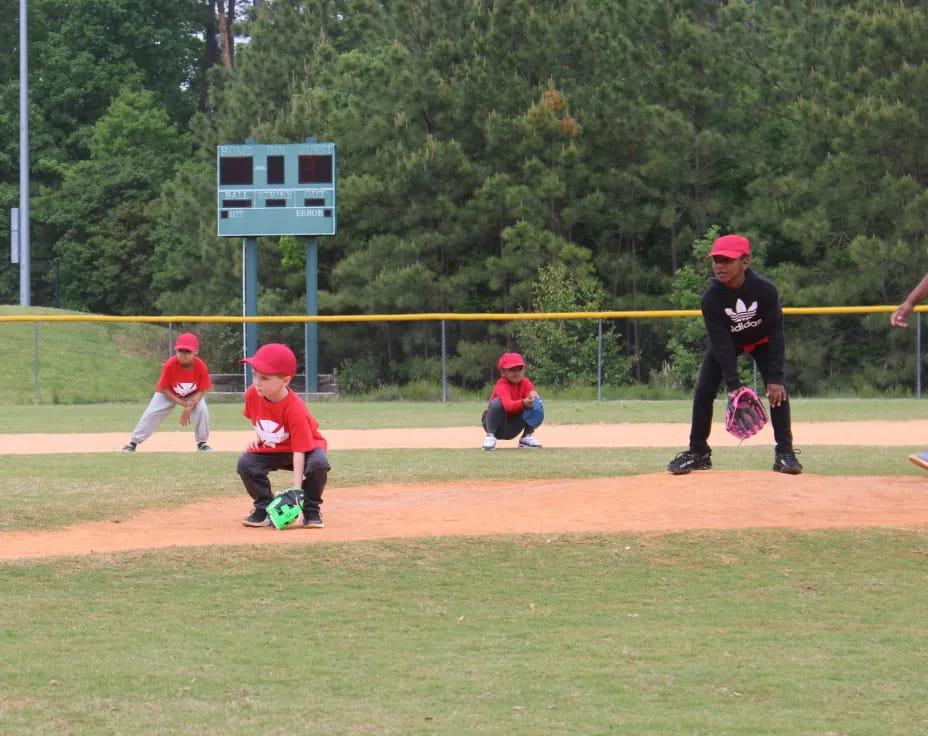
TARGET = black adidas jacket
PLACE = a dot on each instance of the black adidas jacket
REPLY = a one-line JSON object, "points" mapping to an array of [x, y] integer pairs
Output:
{"points": [[739, 319]]}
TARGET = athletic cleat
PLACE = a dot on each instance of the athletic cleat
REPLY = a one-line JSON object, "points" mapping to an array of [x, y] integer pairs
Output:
{"points": [[129, 448], [786, 462], [203, 447], [920, 459], [688, 460], [489, 442], [257, 518], [312, 520], [528, 442]]}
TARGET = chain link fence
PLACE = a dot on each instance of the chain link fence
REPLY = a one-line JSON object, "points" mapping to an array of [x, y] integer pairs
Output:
{"points": [[74, 359]]}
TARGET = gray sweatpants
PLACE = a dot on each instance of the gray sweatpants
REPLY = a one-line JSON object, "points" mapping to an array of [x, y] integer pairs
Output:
{"points": [[158, 409]]}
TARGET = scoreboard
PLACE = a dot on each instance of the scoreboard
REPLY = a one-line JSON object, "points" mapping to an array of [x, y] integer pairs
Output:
{"points": [[276, 189]]}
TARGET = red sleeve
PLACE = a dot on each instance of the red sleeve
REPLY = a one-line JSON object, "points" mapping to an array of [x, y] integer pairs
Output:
{"points": [[249, 397], [165, 380], [320, 441], [297, 421], [204, 383], [511, 394]]}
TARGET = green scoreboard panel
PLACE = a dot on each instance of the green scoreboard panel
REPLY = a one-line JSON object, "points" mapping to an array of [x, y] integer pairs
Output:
{"points": [[276, 189]]}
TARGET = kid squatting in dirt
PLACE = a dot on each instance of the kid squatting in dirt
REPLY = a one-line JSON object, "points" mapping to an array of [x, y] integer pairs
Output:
{"points": [[287, 437], [514, 406]]}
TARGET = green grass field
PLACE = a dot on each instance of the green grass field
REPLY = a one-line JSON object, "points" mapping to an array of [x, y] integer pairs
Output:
{"points": [[759, 631], [741, 632], [753, 632]]}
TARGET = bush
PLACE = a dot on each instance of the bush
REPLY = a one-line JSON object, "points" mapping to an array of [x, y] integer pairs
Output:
{"points": [[357, 376]]}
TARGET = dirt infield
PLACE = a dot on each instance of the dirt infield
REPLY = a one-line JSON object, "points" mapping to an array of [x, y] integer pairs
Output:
{"points": [[886, 434], [653, 502]]}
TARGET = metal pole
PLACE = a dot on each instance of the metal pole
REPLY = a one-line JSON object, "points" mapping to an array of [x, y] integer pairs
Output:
{"points": [[918, 355], [25, 296], [250, 299], [312, 309], [599, 363], [444, 363], [35, 362], [14, 234]]}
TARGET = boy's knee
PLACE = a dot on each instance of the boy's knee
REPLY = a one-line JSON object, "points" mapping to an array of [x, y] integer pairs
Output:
{"points": [[317, 460], [245, 464]]}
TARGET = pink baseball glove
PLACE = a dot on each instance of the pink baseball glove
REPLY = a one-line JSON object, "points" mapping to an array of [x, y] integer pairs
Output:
{"points": [[745, 415]]}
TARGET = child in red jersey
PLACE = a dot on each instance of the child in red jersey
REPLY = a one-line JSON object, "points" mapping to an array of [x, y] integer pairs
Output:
{"points": [[514, 406], [184, 381], [287, 437]]}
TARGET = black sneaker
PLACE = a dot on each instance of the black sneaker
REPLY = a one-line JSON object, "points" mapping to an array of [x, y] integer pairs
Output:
{"points": [[203, 447], [312, 520], [257, 518], [129, 448], [786, 462], [688, 460]]}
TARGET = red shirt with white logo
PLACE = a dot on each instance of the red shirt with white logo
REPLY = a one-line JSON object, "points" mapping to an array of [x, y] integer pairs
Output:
{"points": [[183, 381], [282, 426]]}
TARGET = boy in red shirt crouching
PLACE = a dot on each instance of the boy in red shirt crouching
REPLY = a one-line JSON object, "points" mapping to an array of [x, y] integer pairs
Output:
{"points": [[514, 406], [184, 382], [287, 437]]}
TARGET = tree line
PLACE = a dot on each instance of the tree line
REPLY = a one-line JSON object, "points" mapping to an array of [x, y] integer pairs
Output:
{"points": [[494, 156]]}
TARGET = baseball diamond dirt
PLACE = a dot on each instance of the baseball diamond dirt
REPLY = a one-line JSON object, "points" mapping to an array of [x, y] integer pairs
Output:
{"points": [[716, 499]]}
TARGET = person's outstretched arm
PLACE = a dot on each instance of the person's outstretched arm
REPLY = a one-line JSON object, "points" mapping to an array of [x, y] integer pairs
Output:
{"points": [[900, 318]]}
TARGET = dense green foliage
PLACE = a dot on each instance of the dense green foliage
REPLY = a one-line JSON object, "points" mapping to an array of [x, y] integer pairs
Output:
{"points": [[481, 143]]}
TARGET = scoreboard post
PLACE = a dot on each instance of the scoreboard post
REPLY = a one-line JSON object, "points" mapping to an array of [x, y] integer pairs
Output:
{"points": [[273, 190]]}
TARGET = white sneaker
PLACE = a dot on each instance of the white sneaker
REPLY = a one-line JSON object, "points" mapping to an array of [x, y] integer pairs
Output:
{"points": [[489, 442], [529, 443]]}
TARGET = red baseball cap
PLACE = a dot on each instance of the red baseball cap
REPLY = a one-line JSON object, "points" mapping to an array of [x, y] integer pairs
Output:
{"points": [[273, 359], [510, 360], [731, 246], [187, 341]]}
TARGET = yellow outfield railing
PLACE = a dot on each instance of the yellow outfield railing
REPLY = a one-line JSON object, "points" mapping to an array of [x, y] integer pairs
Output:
{"points": [[76, 383], [425, 316]]}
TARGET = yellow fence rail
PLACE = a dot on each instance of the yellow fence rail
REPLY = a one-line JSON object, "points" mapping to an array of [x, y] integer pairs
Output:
{"points": [[17, 364], [426, 316]]}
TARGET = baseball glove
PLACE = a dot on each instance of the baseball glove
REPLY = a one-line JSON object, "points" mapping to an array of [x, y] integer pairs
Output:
{"points": [[536, 415], [746, 415], [285, 508]]}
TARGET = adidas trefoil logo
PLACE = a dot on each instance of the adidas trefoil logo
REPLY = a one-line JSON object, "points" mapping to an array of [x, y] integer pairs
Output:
{"points": [[740, 313], [742, 316]]}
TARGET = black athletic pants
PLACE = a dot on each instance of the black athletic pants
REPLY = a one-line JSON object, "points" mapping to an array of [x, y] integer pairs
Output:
{"points": [[504, 426], [254, 467], [707, 388]]}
